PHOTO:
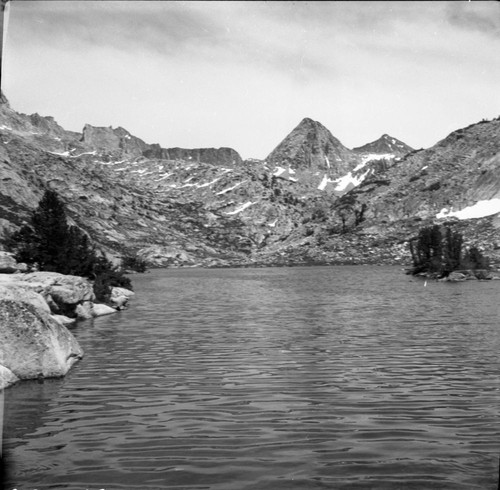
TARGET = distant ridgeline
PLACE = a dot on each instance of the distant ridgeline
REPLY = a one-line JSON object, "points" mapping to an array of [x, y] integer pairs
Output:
{"points": [[311, 201]]}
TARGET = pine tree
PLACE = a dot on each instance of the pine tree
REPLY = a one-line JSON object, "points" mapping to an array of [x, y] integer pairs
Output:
{"points": [[52, 233], [427, 250], [452, 251]]}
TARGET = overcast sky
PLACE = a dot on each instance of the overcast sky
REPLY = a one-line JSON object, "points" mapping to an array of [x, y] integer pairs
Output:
{"points": [[244, 74]]}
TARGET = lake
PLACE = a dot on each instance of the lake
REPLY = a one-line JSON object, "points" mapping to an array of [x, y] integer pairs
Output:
{"points": [[349, 377]]}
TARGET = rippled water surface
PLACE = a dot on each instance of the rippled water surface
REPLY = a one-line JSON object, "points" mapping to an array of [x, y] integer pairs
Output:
{"points": [[268, 379]]}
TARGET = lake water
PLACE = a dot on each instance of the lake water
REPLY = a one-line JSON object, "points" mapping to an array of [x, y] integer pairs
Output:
{"points": [[268, 379]]}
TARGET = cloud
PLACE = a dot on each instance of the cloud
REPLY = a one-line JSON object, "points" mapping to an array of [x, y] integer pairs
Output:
{"points": [[220, 32], [475, 16], [165, 27]]}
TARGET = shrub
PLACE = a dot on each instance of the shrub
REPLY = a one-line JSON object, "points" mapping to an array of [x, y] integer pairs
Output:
{"points": [[474, 259], [107, 276], [134, 263]]}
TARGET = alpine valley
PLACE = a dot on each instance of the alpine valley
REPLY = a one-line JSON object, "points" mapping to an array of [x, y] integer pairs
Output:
{"points": [[311, 201]]}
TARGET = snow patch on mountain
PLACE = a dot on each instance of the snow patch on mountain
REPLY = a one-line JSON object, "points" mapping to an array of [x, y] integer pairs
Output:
{"points": [[376, 156], [241, 208], [349, 179], [230, 188], [323, 184], [163, 177], [478, 210], [61, 154]]}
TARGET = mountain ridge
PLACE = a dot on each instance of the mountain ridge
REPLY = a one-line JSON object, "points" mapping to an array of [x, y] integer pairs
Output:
{"points": [[295, 207]]}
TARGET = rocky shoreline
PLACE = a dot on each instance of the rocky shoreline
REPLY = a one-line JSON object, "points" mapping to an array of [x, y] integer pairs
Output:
{"points": [[35, 310]]}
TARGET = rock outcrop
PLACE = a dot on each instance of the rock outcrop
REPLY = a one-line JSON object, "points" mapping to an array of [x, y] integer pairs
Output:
{"points": [[112, 142], [214, 156], [63, 293], [33, 343], [8, 264], [35, 309], [66, 297], [7, 377]]}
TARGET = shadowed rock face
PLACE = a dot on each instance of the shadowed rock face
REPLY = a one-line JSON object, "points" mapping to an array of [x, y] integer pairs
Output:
{"points": [[109, 141]]}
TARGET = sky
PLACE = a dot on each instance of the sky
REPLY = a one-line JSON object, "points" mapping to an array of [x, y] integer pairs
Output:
{"points": [[243, 74]]}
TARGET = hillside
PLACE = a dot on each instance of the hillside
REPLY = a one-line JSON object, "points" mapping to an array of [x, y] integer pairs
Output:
{"points": [[311, 201]]}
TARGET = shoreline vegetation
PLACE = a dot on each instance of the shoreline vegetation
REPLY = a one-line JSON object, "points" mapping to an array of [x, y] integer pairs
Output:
{"points": [[438, 253]]}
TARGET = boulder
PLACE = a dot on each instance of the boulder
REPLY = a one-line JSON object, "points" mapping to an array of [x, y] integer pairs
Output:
{"points": [[32, 343], [19, 292], [455, 277], [84, 310], [119, 302], [81, 288], [7, 263], [63, 293], [7, 377], [116, 291], [100, 310], [63, 320], [120, 296]]}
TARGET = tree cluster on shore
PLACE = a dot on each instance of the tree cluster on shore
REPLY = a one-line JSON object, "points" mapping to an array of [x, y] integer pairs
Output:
{"points": [[48, 243], [439, 251]]}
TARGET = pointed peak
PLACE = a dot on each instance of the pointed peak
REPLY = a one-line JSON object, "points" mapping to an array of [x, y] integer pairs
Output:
{"points": [[308, 123], [385, 144]]}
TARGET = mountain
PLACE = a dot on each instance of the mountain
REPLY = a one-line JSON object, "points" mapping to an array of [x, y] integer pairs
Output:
{"points": [[319, 159], [312, 147], [311, 201], [385, 145], [456, 179]]}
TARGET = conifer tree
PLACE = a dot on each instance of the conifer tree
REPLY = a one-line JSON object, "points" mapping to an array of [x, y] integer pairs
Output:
{"points": [[51, 231], [452, 251], [427, 249]]}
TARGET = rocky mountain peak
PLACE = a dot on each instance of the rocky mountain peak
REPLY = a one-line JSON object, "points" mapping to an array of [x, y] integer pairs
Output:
{"points": [[386, 144], [112, 141], [311, 146]]}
